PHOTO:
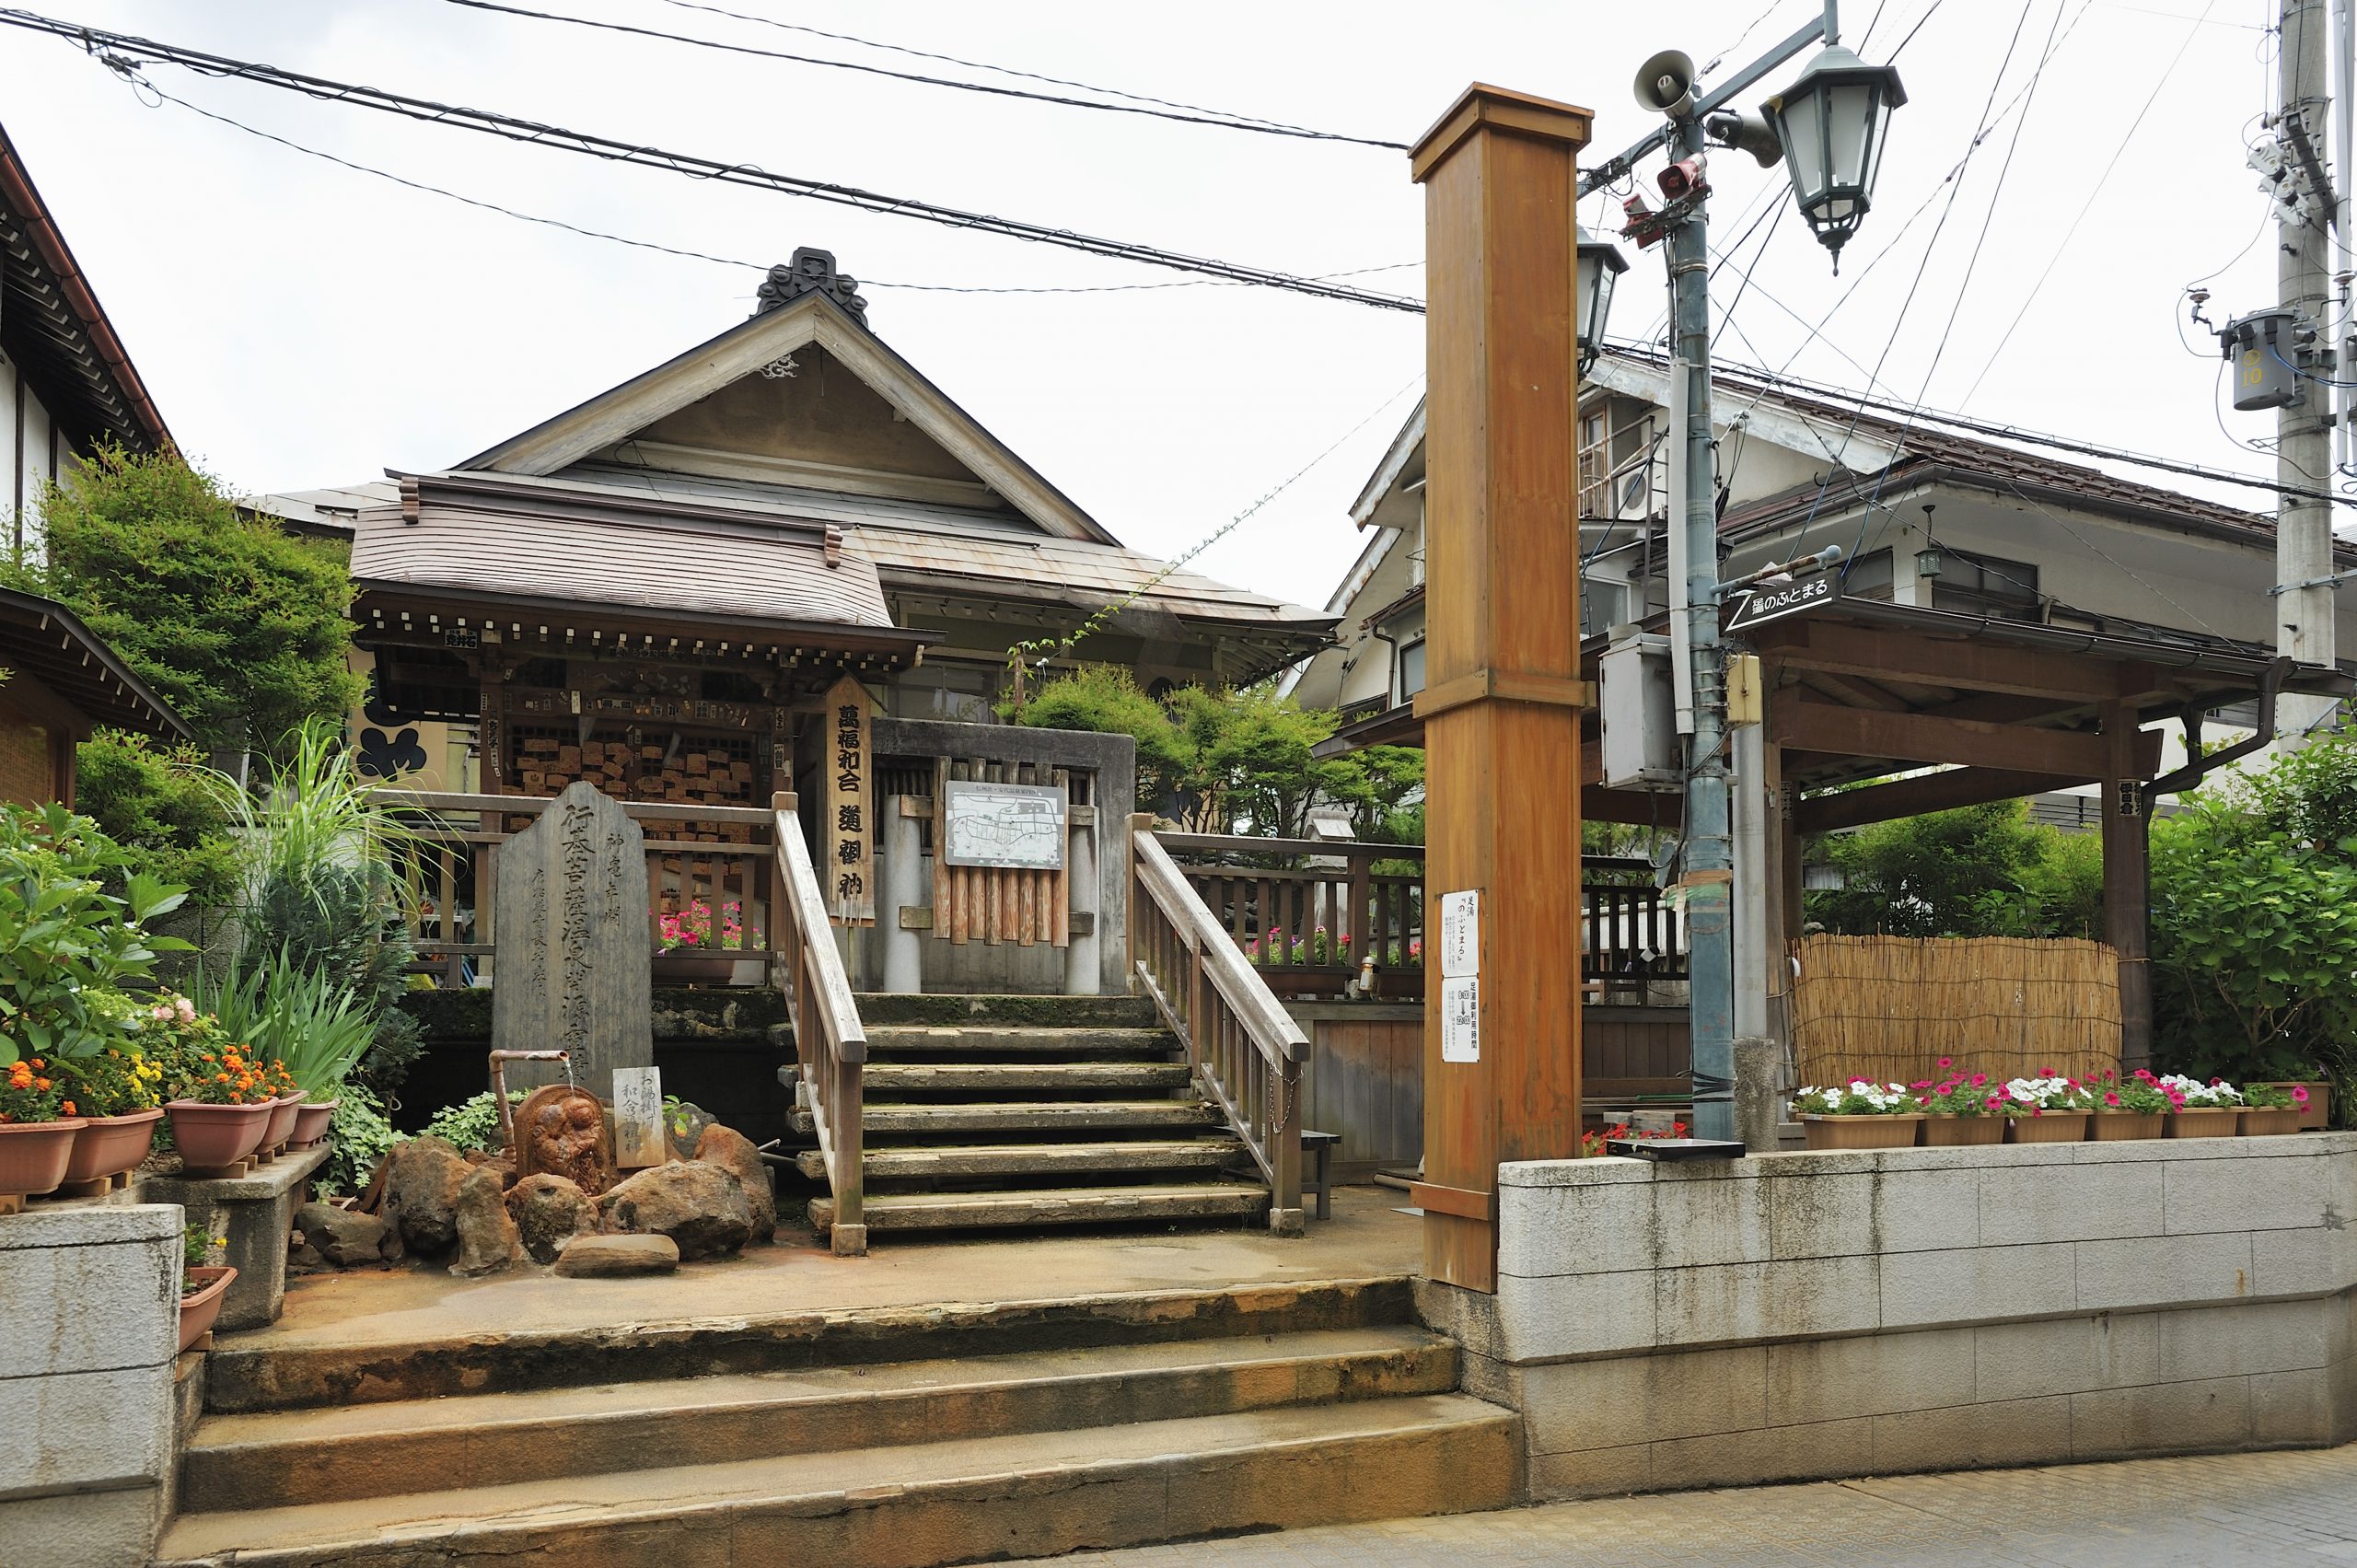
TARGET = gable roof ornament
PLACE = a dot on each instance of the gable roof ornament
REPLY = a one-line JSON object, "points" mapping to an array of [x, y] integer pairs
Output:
{"points": [[811, 272]]}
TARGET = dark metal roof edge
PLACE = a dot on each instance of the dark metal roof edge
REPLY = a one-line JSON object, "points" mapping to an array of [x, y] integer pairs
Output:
{"points": [[461, 598], [19, 608]]}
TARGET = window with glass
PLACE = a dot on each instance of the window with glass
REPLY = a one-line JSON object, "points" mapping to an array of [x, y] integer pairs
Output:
{"points": [[1987, 585]]}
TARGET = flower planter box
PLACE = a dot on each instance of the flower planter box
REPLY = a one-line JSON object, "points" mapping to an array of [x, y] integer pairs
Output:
{"points": [[2049, 1127], [2207, 1121], [110, 1145], [279, 1129], [1958, 1131], [694, 969], [2110, 1126], [1860, 1131], [213, 1137], [199, 1307], [34, 1156], [2317, 1114], [311, 1123], [2271, 1122]]}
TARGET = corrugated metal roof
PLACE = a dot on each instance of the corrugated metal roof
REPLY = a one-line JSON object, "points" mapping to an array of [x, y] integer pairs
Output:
{"points": [[515, 538]]}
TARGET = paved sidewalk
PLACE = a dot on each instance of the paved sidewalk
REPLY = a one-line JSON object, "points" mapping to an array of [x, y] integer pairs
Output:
{"points": [[2279, 1509]]}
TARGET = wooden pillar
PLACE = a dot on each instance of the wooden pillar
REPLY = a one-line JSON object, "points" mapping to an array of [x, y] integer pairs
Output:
{"points": [[2127, 883], [1502, 700], [491, 734]]}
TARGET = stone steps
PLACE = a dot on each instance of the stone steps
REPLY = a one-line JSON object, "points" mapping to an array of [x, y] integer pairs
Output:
{"points": [[924, 1121], [1030, 1012], [284, 1459], [902, 1042], [952, 1161], [1144, 1202], [920, 1505], [889, 1080]]}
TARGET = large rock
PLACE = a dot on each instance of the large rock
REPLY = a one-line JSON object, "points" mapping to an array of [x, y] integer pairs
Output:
{"points": [[607, 1257], [734, 1151], [550, 1212], [340, 1236], [701, 1207], [421, 1181], [486, 1232], [683, 1124]]}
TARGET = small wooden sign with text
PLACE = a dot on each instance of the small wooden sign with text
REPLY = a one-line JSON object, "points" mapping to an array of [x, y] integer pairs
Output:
{"points": [[640, 1138], [846, 838]]}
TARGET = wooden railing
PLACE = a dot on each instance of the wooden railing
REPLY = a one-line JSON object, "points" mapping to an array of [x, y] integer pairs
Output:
{"points": [[828, 1038], [453, 870], [1309, 931], [1247, 1052]]}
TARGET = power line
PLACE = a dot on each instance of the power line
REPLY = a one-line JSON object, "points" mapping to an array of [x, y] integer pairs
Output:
{"points": [[510, 128], [1225, 121]]}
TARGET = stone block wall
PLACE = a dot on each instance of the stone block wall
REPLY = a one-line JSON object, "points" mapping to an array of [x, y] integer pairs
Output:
{"points": [[86, 1382], [1795, 1315]]}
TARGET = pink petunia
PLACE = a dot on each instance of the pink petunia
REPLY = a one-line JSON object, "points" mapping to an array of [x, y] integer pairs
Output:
{"points": [[1946, 1062], [2112, 1101], [2299, 1095]]}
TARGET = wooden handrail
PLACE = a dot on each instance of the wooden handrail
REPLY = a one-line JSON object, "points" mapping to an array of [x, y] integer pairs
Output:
{"points": [[1246, 1051], [1244, 844], [830, 1042]]}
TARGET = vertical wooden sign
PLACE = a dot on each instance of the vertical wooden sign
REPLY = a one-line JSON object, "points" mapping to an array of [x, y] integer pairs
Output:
{"points": [[640, 1138], [1501, 706], [846, 837]]}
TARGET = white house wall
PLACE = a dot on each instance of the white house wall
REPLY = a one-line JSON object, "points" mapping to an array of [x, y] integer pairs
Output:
{"points": [[30, 452]]}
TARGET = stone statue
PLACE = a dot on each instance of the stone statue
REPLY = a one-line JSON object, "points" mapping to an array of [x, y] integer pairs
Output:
{"points": [[561, 1130]]}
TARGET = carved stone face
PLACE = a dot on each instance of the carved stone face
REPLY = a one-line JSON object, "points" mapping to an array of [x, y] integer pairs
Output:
{"points": [[581, 1113]]}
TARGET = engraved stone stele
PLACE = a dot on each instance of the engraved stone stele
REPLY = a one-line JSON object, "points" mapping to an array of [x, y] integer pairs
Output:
{"points": [[561, 1130], [575, 944]]}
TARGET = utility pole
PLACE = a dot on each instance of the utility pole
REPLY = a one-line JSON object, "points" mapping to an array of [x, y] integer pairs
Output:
{"points": [[2305, 438]]}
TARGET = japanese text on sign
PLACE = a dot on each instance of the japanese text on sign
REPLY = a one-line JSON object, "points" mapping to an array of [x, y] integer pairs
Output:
{"points": [[846, 857]]}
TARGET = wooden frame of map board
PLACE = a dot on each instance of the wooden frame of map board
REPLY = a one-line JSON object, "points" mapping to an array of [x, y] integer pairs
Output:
{"points": [[1000, 903]]}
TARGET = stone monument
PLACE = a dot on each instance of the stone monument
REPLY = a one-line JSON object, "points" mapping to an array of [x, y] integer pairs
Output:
{"points": [[575, 942]]}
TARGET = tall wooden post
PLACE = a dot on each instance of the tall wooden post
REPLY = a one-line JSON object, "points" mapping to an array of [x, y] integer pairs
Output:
{"points": [[2127, 883], [1501, 706]]}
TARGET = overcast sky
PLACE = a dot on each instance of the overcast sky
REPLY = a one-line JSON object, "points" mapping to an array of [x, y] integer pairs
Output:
{"points": [[301, 324]]}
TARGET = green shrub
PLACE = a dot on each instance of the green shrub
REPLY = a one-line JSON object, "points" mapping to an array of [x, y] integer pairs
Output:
{"points": [[473, 1123], [68, 947], [362, 1135]]}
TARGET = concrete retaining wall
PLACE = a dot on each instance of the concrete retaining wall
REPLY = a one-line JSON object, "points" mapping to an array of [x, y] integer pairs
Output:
{"points": [[1796, 1315], [91, 1298]]}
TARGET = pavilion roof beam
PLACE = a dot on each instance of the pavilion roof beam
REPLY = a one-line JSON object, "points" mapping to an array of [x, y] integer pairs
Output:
{"points": [[1918, 737], [1925, 792], [1948, 663]]}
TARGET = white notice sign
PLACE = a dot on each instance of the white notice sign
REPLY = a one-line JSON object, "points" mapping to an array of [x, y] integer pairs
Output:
{"points": [[1460, 1020], [1460, 935], [640, 1139], [1020, 827]]}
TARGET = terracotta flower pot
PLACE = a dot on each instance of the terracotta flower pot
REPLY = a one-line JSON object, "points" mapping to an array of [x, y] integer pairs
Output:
{"points": [[109, 1145], [312, 1118], [199, 1307], [2270, 1121], [686, 968], [281, 1121], [2048, 1127], [34, 1155], [2206, 1122], [1860, 1131], [212, 1136], [1944, 1132], [2110, 1126]]}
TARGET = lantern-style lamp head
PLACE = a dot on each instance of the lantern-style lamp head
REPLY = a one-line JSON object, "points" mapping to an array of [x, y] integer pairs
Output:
{"points": [[1833, 122], [1928, 563], [1600, 262]]}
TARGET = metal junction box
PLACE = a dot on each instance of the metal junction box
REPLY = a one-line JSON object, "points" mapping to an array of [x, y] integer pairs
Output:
{"points": [[2267, 354], [1639, 717]]}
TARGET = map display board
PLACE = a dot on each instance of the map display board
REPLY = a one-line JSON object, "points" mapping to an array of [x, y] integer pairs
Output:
{"points": [[1020, 827]]}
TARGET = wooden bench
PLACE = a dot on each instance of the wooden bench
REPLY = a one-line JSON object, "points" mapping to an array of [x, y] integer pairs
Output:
{"points": [[1319, 1178]]}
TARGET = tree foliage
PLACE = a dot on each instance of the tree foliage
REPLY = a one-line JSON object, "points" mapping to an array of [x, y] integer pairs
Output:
{"points": [[239, 627], [1976, 871], [162, 805]]}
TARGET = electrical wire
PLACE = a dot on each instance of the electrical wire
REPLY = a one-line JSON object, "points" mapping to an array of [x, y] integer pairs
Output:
{"points": [[112, 48], [1204, 118]]}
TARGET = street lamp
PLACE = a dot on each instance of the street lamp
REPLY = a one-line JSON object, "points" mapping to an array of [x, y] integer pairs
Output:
{"points": [[1833, 122], [1600, 262]]}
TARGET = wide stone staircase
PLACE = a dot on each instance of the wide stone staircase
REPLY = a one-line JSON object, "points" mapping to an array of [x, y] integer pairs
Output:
{"points": [[888, 1438], [1034, 1110]]}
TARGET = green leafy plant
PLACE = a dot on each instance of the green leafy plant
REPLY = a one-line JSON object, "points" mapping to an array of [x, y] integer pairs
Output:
{"points": [[2275, 1096], [360, 1135], [1977, 871], [472, 1124], [66, 944], [162, 805], [2140, 1094], [197, 1243], [297, 1016], [1857, 1098]]}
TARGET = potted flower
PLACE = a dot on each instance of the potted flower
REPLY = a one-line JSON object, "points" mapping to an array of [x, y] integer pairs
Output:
{"points": [[1858, 1115], [2134, 1107], [2048, 1108], [2272, 1110], [223, 1109], [120, 1094], [202, 1288], [1960, 1109], [700, 945], [285, 1099], [2201, 1111], [37, 1126]]}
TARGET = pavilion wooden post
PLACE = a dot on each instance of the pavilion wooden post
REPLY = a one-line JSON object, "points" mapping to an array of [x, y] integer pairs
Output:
{"points": [[1502, 700], [2127, 882]]}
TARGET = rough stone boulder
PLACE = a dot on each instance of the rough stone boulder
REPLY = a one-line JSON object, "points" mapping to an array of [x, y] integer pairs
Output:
{"points": [[683, 1124], [486, 1233], [550, 1212], [609, 1257], [340, 1236], [734, 1151], [422, 1180], [701, 1207]]}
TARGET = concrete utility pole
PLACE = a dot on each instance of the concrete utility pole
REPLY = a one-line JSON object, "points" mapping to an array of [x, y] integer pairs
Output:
{"points": [[2304, 453]]}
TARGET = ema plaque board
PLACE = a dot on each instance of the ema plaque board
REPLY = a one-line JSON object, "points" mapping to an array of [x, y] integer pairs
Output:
{"points": [[1020, 827]]}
